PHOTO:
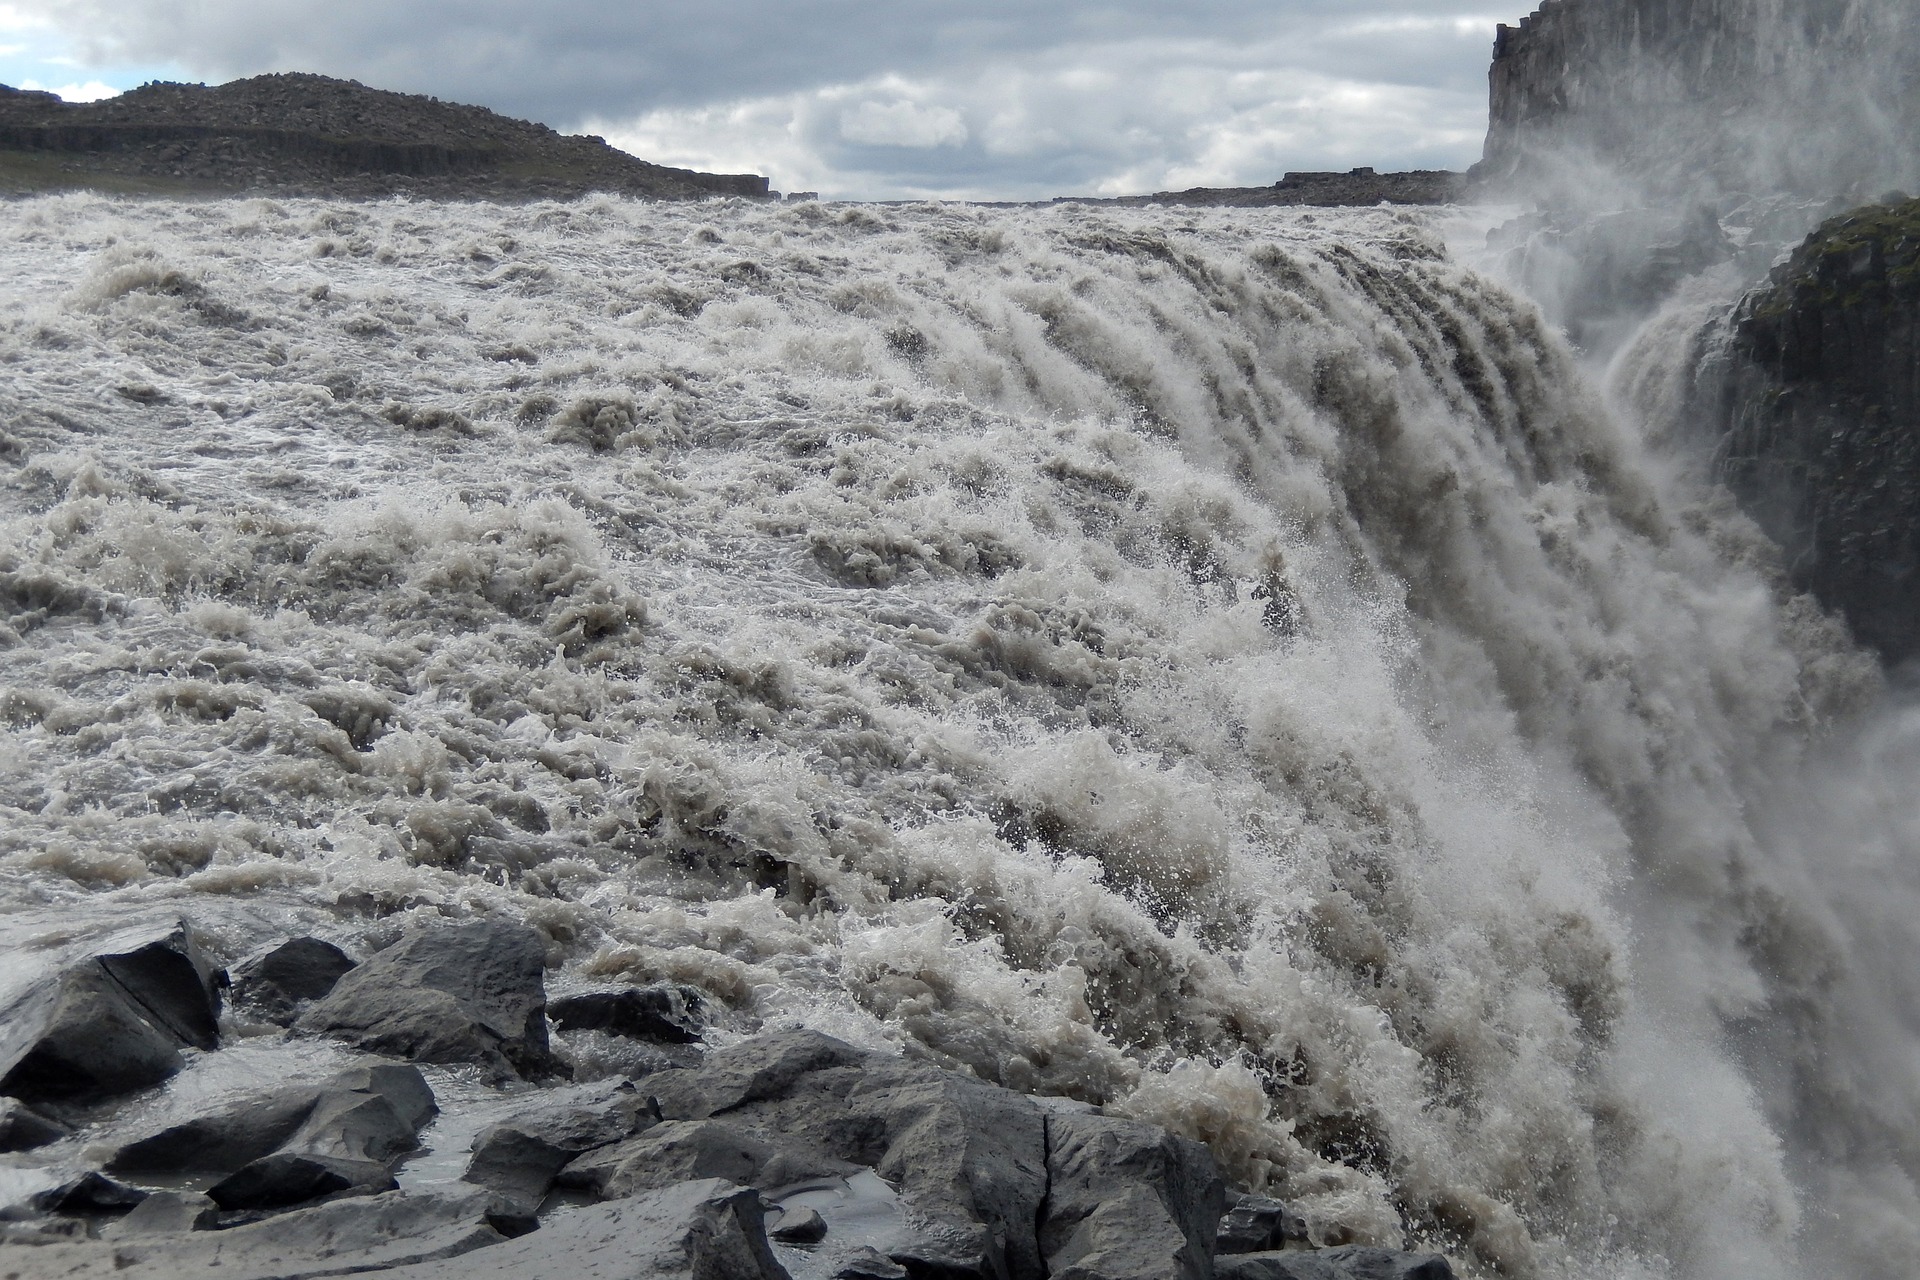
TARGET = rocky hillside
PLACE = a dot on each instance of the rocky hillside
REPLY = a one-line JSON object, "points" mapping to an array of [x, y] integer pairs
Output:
{"points": [[1820, 409], [1807, 96], [306, 134]]}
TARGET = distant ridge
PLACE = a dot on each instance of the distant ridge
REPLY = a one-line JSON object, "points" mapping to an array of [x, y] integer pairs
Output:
{"points": [[1326, 190], [298, 134]]}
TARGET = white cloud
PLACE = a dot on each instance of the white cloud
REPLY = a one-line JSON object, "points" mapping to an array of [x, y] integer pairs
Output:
{"points": [[997, 98], [15, 18], [902, 124], [89, 91]]}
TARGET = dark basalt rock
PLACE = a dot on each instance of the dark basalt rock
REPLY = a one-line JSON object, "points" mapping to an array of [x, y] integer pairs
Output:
{"points": [[275, 986], [1818, 405], [1128, 1201], [666, 1014], [23, 1129], [89, 1193], [113, 1020], [470, 993], [291, 1177], [800, 1226]]}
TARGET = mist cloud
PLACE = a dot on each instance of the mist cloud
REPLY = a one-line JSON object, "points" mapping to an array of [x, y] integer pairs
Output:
{"points": [[986, 97]]}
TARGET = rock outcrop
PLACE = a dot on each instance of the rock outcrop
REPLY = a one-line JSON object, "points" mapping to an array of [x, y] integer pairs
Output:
{"points": [[108, 1017], [786, 1153], [1817, 402], [311, 135], [1704, 96]]}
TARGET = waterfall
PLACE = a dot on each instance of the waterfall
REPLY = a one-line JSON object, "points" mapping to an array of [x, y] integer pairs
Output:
{"points": [[1230, 666]]}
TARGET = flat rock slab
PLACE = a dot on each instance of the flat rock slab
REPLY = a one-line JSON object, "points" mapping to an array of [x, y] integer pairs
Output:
{"points": [[465, 993], [342, 1237], [705, 1230]]}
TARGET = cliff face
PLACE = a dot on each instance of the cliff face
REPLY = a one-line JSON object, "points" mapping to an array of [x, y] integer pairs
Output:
{"points": [[297, 134], [1820, 409], [1813, 97]]}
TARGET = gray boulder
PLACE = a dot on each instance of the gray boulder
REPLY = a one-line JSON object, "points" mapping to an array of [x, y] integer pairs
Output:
{"points": [[968, 1158], [1127, 1201], [371, 1112], [109, 1017], [705, 1230], [800, 1226], [277, 985], [519, 1157], [970, 1161], [23, 1129], [467, 993], [88, 1194]]}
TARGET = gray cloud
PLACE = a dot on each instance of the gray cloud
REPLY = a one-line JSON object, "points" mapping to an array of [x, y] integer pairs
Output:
{"points": [[927, 96]]}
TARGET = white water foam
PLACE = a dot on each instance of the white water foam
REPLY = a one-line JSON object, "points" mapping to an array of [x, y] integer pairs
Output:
{"points": [[1228, 666]]}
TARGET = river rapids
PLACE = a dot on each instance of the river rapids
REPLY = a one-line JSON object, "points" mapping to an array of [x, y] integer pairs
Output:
{"points": [[1234, 667]]}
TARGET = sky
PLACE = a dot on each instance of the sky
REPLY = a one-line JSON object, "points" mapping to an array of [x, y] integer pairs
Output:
{"points": [[973, 99]]}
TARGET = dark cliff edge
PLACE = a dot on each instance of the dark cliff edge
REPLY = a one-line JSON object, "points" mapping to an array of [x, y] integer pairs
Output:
{"points": [[1703, 97], [296, 134], [1816, 394]]}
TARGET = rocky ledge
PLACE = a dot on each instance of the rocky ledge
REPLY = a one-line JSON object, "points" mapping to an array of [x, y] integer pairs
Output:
{"points": [[146, 1147], [311, 135], [1816, 398]]}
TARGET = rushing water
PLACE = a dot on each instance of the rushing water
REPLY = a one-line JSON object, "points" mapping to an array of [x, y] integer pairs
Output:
{"points": [[1230, 666]]}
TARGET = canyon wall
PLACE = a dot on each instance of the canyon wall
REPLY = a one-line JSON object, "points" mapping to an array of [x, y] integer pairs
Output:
{"points": [[1665, 97]]}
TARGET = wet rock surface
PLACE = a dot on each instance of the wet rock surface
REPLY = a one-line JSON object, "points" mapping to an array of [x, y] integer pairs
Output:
{"points": [[665, 1014], [471, 993], [1817, 404], [786, 1154], [304, 134], [22, 1128], [108, 1017], [278, 985]]}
